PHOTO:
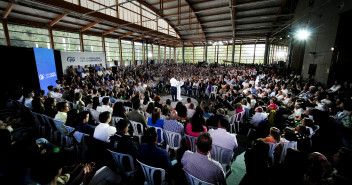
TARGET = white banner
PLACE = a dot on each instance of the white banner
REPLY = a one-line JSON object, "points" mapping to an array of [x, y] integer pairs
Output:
{"points": [[82, 59]]}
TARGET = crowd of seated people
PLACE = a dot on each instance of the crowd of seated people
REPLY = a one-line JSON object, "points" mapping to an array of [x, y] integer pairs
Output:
{"points": [[264, 100]]}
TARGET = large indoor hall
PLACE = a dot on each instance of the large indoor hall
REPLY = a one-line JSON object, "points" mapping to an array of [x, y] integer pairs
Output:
{"points": [[175, 92]]}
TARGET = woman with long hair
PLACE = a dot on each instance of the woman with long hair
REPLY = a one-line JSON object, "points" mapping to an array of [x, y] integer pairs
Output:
{"points": [[96, 102], [197, 124], [38, 105], [149, 110], [155, 121], [119, 110], [78, 99], [50, 107]]}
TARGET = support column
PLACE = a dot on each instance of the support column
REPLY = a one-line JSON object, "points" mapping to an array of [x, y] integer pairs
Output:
{"points": [[103, 40], [233, 49], [158, 53], [133, 54], [81, 39], [255, 45], [52, 38], [217, 54], [146, 52], [266, 52], [193, 54], [121, 64], [6, 33], [240, 53], [183, 52], [206, 52]]}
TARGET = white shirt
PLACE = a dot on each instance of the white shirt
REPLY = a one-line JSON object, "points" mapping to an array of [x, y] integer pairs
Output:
{"points": [[173, 82], [50, 94], [298, 112], [104, 108], [224, 139], [257, 118], [103, 132]]}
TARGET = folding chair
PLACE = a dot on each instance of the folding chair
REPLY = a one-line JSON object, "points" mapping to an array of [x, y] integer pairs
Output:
{"points": [[149, 174]]}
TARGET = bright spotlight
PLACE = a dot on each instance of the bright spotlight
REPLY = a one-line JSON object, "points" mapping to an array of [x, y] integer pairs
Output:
{"points": [[302, 34]]}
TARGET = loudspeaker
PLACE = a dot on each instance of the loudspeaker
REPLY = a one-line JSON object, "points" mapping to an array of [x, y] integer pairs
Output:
{"points": [[114, 69], [312, 69]]}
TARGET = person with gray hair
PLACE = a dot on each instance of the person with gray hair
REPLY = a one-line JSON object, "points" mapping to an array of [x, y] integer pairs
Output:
{"points": [[214, 120], [173, 125], [200, 165]]}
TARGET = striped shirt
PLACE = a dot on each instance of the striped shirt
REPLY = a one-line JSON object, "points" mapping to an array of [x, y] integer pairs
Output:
{"points": [[174, 126]]}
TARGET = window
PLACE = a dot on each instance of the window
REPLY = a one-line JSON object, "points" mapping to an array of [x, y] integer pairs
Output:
{"points": [[167, 53], [222, 53], [198, 54], [162, 53], [148, 51], [259, 54], [229, 53], [126, 51], [92, 43], [211, 54], [247, 54], [179, 55], [25, 36], [155, 52], [66, 41], [172, 59], [138, 51], [238, 49], [112, 49], [2, 36], [189, 54], [278, 53]]}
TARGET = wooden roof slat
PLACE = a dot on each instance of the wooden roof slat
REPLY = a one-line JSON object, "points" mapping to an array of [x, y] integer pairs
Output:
{"points": [[57, 19], [127, 34], [111, 30], [90, 25], [8, 10]]}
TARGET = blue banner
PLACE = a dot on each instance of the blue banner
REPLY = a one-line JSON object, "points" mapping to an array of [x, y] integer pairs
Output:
{"points": [[46, 68]]}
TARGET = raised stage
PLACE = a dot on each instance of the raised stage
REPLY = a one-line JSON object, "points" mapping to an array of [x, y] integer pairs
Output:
{"points": [[184, 100]]}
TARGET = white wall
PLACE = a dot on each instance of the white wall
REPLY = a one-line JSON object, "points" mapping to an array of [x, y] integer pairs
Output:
{"points": [[324, 19]]}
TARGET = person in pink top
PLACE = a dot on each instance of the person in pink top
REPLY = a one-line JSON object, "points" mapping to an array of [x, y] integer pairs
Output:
{"points": [[272, 105], [239, 109], [197, 125]]}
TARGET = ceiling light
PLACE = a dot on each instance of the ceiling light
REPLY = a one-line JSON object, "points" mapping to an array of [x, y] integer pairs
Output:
{"points": [[302, 34]]}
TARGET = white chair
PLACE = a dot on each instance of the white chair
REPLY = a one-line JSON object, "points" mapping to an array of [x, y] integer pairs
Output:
{"points": [[287, 144], [223, 156], [128, 109], [192, 142], [121, 169], [272, 147], [135, 126], [239, 118], [195, 181], [232, 123], [114, 120], [149, 172], [95, 114], [160, 133], [214, 91], [173, 140]]}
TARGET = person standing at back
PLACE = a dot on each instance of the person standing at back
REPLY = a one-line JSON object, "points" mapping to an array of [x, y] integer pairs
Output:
{"points": [[173, 83]]}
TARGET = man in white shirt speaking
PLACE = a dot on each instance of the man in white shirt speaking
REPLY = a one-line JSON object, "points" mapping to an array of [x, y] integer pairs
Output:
{"points": [[103, 131], [173, 83]]}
